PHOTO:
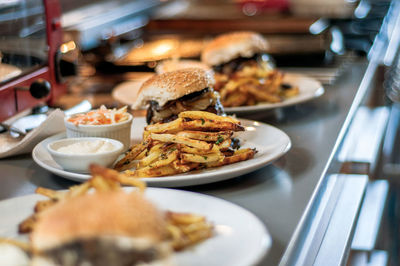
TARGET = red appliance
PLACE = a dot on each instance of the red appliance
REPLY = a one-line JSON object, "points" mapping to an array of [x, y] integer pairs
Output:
{"points": [[26, 23]]}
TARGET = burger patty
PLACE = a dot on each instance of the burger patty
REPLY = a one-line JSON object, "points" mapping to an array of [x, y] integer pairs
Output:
{"points": [[97, 252], [239, 63], [204, 100]]}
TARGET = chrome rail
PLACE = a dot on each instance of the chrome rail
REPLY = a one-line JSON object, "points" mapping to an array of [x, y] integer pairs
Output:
{"points": [[319, 238]]}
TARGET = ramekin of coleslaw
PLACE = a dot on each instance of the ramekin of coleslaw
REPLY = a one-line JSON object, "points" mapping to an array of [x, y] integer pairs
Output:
{"points": [[103, 123]]}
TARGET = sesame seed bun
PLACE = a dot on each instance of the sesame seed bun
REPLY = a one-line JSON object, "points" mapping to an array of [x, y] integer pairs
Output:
{"points": [[118, 214], [173, 85], [172, 65], [227, 47]]}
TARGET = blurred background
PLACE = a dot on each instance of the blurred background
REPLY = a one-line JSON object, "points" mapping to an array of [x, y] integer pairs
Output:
{"points": [[106, 42]]}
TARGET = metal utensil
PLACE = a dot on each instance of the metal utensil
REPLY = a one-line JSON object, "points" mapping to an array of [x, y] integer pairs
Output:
{"points": [[11, 129], [23, 125]]}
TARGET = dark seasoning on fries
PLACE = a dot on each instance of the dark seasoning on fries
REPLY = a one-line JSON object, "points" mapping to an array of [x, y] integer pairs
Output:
{"points": [[176, 230], [195, 140]]}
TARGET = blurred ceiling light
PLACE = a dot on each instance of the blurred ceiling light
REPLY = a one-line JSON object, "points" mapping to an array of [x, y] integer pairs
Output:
{"points": [[249, 9], [67, 47], [163, 48]]}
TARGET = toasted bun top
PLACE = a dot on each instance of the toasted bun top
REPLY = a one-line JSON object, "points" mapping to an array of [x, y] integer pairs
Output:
{"points": [[100, 214], [173, 85], [229, 46], [172, 65]]}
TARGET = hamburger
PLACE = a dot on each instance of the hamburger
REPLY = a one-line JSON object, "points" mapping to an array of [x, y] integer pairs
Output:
{"points": [[125, 230], [231, 52], [170, 93]]}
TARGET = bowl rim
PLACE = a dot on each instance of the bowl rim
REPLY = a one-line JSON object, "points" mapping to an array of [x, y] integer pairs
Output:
{"points": [[118, 144], [70, 124]]}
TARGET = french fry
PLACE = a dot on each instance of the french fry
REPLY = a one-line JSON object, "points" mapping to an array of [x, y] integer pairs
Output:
{"points": [[22, 245], [166, 160], [235, 99], [184, 218], [209, 125], [195, 227], [195, 158], [52, 194], [198, 236], [106, 173], [44, 204], [198, 115], [97, 170], [102, 184], [128, 161], [153, 155], [132, 182], [263, 96], [170, 127], [28, 224], [187, 229], [243, 155], [206, 136], [187, 149], [154, 172], [78, 190], [183, 168], [141, 155], [181, 140]]}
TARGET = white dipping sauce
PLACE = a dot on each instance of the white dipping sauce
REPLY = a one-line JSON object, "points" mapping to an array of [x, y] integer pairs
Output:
{"points": [[87, 147]]}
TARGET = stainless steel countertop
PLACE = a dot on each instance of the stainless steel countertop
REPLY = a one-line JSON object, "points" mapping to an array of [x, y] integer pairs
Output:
{"points": [[278, 193]]}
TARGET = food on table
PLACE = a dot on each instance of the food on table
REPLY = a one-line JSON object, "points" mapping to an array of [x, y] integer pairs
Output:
{"points": [[173, 92], [101, 116], [195, 140], [77, 154], [104, 228], [99, 223], [87, 147], [176, 64], [243, 74]]}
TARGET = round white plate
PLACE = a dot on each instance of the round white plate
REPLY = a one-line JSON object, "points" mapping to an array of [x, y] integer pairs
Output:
{"points": [[127, 92], [270, 142], [240, 240], [309, 88]]}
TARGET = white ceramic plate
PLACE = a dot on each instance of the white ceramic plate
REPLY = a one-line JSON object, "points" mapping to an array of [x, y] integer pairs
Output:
{"points": [[309, 89], [241, 239], [126, 92], [270, 142]]}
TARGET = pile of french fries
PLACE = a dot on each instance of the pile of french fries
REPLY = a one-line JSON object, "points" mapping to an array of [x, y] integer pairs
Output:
{"points": [[185, 229], [253, 85], [195, 140]]}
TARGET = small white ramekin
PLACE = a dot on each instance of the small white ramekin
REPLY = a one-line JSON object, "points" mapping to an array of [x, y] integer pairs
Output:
{"points": [[80, 162], [119, 131]]}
